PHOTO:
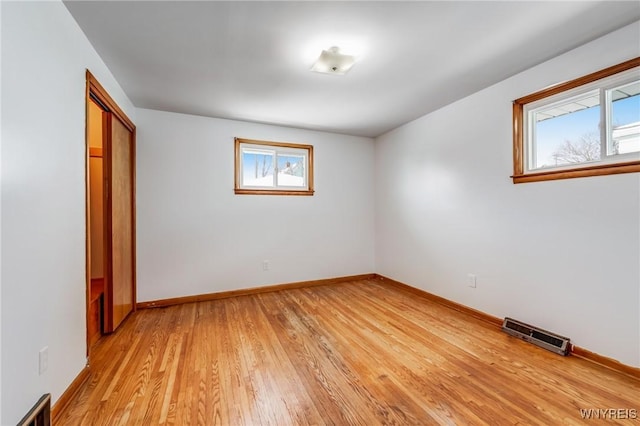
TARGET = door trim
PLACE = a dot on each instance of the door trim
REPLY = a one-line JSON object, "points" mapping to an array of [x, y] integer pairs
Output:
{"points": [[95, 90]]}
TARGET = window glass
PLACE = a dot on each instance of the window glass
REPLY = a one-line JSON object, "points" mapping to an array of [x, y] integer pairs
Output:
{"points": [[273, 168], [625, 119], [589, 126], [257, 168], [291, 170], [567, 132]]}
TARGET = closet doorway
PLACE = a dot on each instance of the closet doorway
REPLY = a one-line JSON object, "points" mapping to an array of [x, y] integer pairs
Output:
{"points": [[111, 277]]}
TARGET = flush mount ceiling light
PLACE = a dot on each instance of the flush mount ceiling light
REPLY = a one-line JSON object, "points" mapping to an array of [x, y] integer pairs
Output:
{"points": [[331, 61]]}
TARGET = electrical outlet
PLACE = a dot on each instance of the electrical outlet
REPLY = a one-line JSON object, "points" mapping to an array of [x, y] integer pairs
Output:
{"points": [[265, 265], [43, 360], [472, 280]]}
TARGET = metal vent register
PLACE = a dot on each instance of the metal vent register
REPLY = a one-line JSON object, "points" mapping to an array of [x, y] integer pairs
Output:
{"points": [[545, 339]]}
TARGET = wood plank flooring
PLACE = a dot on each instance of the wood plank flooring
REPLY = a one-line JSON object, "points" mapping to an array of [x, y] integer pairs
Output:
{"points": [[360, 353]]}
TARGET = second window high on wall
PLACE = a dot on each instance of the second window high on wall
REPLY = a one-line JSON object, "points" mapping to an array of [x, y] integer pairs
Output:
{"points": [[584, 127], [273, 168]]}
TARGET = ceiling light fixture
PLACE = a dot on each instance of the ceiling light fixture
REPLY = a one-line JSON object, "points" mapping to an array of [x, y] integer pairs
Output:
{"points": [[331, 61]]}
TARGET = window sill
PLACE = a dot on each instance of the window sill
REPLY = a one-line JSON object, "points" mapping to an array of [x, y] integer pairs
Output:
{"points": [[599, 170], [271, 192]]}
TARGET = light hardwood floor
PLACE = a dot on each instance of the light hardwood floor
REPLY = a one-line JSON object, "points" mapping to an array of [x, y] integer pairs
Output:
{"points": [[355, 353]]}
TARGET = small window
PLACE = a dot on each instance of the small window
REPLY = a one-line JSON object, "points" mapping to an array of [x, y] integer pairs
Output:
{"points": [[585, 127], [273, 168]]}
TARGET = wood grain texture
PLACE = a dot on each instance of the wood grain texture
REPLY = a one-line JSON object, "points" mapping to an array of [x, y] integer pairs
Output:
{"points": [[442, 301], [97, 96], [94, 318], [605, 361], [497, 322], [237, 164], [580, 81], [282, 192], [163, 303], [68, 398], [95, 88], [361, 352], [519, 175], [599, 170], [120, 293], [518, 139]]}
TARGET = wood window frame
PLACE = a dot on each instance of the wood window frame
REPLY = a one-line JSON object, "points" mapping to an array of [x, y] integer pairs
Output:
{"points": [[519, 146], [238, 187]]}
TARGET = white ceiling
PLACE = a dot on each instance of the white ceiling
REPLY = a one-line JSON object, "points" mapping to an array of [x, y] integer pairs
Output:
{"points": [[251, 60]]}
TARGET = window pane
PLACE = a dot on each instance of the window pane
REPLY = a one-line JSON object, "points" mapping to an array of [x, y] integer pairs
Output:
{"points": [[257, 168], [273, 168], [291, 170], [567, 132], [625, 119], [589, 126]]}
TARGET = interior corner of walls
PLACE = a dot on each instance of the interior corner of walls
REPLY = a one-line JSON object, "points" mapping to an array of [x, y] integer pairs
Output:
{"points": [[440, 241]]}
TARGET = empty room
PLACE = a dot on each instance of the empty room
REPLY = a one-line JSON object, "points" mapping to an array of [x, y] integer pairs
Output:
{"points": [[319, 212]]}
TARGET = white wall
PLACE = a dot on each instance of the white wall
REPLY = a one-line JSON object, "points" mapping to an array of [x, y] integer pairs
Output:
{"points": [[195, 236], [0, 214], [44, 57], [563, 255]]}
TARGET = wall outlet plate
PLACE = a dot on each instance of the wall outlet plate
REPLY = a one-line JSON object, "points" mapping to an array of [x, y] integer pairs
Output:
{"points": [[43, 360], [471, 280]]}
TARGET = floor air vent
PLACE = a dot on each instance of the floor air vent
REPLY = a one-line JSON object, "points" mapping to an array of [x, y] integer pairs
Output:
{"points": [[40, 414], [537, 336]]}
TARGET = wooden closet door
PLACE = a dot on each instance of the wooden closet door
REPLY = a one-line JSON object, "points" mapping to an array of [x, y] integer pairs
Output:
{"points": [[119, 295]]}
